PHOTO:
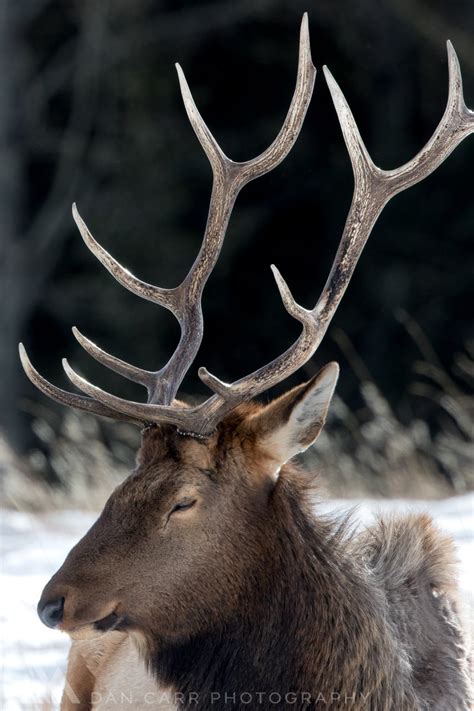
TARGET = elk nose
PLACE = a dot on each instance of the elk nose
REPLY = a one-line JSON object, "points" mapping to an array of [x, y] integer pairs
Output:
{"points": [[51, 613]]}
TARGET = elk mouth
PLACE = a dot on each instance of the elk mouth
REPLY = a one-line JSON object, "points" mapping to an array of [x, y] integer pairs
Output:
{"points": [[110, 622]]}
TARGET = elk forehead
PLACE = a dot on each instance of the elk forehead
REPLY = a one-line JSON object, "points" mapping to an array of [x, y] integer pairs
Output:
{"points": [[234, 444], [169, 466], [170, 463], [161, 442]]}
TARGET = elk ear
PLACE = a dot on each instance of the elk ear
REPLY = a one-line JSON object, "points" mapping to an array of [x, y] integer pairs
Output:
{"points": [[291, 423]]}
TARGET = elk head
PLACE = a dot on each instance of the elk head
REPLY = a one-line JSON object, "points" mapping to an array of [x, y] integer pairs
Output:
{"points": [[180, 541]]}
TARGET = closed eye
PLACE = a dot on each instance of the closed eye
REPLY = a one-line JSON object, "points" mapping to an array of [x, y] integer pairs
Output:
{"points": [[183, 506]]}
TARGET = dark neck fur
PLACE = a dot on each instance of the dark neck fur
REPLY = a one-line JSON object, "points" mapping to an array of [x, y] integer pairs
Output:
{"points": [[304, 626]]}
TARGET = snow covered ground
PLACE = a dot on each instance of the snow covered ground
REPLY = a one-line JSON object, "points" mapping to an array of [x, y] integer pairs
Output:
{"points": [[34, 546]]}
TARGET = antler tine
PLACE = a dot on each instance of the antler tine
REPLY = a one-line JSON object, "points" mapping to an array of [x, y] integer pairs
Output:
{"points": [[169, 298], [114, 404], [373, 188], [131, 372], [63, 397], [164, 297], [289, 132], [246, 171]]}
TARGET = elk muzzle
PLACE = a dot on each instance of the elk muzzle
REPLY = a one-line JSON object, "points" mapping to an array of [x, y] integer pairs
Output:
{"points": [[71, 607]]}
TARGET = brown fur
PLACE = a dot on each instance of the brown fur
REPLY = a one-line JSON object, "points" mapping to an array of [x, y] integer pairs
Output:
{"points": [[248, 592]]}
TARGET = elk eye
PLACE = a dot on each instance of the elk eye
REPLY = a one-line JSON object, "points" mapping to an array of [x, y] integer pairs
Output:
{"points": [[183, 505]]}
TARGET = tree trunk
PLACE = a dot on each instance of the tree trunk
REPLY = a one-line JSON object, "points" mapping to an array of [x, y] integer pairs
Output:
{"points": [[14, 288]]}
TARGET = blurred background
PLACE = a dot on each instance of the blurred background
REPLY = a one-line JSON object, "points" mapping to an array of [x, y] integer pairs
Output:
{"points": [[90, 111]]}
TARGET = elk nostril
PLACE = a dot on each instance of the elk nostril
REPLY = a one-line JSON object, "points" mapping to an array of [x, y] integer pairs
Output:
{"points": [[51, 613]]}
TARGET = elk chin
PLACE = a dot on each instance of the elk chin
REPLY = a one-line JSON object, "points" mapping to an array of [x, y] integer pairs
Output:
{"points": [[111, 622], [81, 623]]}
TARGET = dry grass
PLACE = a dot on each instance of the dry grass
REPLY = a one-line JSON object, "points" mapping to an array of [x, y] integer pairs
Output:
{"points": [[76, 466], [373, 452]]}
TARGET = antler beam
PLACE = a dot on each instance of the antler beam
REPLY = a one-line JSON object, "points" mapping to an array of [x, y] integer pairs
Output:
{"points": [[373, 188], [184, 301]]}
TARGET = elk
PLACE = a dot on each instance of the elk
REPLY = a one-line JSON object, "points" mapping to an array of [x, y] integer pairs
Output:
{"points": [[209, 559]]}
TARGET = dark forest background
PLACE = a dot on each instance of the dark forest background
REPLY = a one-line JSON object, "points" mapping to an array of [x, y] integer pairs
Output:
{"points": [[90, 111]]}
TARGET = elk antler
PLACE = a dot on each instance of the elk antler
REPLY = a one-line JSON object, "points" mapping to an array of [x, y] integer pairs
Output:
{"points": [[373, 188], [184, 301]]}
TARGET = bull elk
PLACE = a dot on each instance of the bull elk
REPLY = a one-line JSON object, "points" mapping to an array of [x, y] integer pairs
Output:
{"points": [[208, 562]]}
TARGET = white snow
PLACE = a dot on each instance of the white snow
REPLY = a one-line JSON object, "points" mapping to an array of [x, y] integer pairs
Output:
{"points": [[33, 547]]}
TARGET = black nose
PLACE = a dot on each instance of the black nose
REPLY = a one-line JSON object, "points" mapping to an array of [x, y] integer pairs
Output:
{"points": [[51, 613]]}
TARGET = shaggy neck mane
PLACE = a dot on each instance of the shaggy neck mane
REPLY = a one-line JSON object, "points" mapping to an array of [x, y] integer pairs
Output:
{"points": [[305, 608]]}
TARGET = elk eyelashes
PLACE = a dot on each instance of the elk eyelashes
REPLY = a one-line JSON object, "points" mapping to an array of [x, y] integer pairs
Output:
{"points": [[181, 506]]}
